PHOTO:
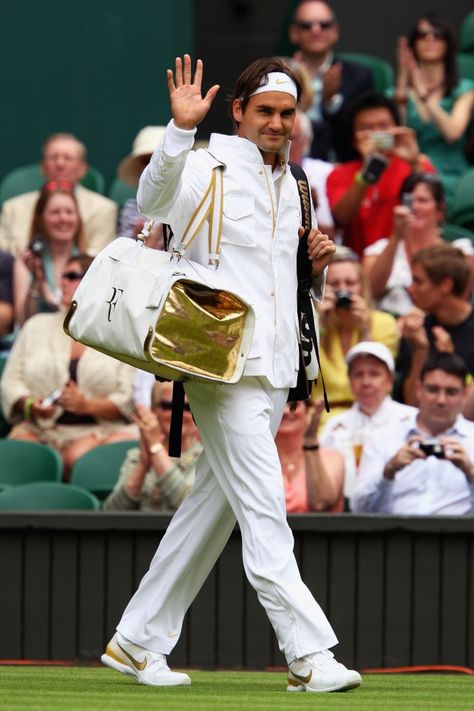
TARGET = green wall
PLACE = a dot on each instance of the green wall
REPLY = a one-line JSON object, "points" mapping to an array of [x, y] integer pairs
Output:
{"points": [[95, 68]]}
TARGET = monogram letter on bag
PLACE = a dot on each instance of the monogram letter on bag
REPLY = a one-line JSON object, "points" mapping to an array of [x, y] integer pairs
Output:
{"points": [[116, 294]]}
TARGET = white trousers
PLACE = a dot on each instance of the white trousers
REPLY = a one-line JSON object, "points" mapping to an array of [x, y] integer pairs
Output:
{"points": [[238, 476]]}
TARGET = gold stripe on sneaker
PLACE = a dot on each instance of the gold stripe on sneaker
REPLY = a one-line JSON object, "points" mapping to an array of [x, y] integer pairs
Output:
{"points": [[138, 665], [304, 679]]}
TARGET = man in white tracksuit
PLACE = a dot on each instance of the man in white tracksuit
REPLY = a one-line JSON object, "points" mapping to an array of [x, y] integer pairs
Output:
{"points": [[238, 476]]}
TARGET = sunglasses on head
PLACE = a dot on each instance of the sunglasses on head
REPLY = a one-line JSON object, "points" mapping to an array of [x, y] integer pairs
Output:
{"points": [[435, 32], [72, 276], [58, 185], [167, 405], [308, 24]]}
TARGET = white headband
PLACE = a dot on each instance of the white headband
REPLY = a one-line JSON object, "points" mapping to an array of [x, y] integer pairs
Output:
{"points": [[278, 81]]}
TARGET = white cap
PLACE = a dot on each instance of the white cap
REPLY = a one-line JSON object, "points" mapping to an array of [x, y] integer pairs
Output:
{"points": [[278, 81], [371, 348]]}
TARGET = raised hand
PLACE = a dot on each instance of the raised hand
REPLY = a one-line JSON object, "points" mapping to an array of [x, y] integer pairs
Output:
{"points": [[187, 104]]}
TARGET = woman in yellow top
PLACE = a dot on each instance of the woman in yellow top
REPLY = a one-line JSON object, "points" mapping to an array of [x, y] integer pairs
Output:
{"points": [[347, 317]]}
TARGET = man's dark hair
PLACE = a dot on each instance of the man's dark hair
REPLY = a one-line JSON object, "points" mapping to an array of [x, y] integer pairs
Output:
{"points": [[450, 363], [433, 184], [443, 261], [252, 77], [84, 259], [369, 100]]}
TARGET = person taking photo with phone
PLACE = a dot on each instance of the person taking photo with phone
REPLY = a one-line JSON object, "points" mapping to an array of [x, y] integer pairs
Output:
{"points": [[417, 223], [56, 233], [363, 192]]}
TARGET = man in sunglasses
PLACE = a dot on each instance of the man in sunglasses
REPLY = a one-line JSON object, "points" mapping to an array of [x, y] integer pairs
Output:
{"points": [[315, 31], [424, 466]]}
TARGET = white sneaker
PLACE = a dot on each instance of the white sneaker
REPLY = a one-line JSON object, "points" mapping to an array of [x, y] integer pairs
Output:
{"points": [[145, 666], [321, 672]]}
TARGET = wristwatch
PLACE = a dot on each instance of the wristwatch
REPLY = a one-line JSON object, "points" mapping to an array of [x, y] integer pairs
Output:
{"points": [[156, 447]]}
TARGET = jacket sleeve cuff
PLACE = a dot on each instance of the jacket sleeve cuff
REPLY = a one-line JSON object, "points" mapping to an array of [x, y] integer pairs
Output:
{"points": [[177, 139]]}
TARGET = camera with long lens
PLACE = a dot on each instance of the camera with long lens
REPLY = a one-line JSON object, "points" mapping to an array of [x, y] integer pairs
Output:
{"points": [[432, 447], [343, 299]]}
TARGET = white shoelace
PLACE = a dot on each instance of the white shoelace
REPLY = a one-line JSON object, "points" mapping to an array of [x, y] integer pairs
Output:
{"points": [[324, 661]]}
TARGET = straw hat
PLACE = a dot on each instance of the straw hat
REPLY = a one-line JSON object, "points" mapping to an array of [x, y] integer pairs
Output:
{"points": [[147, 140]]}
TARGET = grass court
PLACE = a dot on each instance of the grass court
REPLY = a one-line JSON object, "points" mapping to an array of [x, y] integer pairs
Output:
{"points": [[49, 688]]}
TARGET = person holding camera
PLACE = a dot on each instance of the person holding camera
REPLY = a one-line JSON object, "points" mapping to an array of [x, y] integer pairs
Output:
{"points": [[56, 234], [363, 192], [417, 223], [426, 465], [346, 318], [60, 392]]}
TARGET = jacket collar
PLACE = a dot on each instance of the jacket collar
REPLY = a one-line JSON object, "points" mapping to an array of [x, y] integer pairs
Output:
{"points": [[224, 148]]}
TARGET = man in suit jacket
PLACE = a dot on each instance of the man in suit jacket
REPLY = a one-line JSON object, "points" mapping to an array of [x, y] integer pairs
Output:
{"points": [[64, 158], [315, 31]]}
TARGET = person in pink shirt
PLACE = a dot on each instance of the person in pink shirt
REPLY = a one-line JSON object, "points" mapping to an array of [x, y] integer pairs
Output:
{"points": [[313, 477]]}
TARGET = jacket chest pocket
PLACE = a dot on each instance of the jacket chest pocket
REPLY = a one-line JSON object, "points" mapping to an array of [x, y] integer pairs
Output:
{"points": [[239, 221]]}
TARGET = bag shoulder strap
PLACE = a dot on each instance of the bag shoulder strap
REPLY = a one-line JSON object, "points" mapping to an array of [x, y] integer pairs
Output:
{"points": [[304, 267]]}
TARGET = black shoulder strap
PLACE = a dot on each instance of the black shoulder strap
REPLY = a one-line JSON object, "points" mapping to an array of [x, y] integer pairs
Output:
{"points": [[176, 424], [302, 391]]}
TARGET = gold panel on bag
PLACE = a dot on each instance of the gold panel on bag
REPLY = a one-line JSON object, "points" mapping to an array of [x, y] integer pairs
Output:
{"points": [[200, 329]]}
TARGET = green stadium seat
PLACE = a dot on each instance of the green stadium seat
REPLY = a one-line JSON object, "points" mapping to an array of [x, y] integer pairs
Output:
{"points": [[4, 425], [463, 206], [466, 34], [452, 232], [29, 177], [94, 180], [98, 470], [47, 495], [120, 192], [466, 65], [382, 71], [26, 462]]}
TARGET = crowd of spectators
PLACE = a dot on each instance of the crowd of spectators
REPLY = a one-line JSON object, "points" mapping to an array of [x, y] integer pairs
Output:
{"points": [[396, 322]]}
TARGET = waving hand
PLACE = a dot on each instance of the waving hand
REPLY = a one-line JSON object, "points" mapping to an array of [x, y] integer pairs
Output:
{"points": [[187, 103]]}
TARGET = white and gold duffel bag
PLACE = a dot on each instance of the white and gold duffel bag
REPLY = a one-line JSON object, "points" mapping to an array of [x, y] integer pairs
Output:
{"points": [[163, 313]]}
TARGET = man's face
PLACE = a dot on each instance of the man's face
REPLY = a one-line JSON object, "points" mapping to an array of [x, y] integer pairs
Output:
{"points": [[314, 31], [371, 382], [369, 120], [63, 160], [441, 398], [267, 121], [425, 294]]}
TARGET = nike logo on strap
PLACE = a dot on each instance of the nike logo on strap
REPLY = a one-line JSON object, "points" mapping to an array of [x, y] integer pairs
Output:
{"points": [[138, 665], [303, 679], [281, 81]]}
